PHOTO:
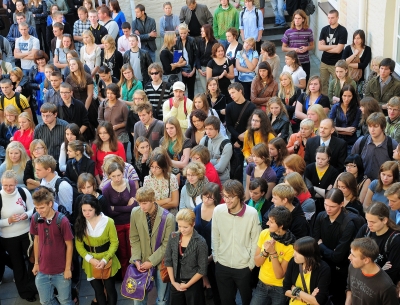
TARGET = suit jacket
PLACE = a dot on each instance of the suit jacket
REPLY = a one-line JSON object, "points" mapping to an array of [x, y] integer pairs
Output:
{"points": [[72, 172], [338, 149]]}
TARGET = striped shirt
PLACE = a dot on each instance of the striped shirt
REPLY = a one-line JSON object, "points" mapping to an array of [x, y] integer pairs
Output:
{"points": [[299, 38], [154, 97], [52, 138]]}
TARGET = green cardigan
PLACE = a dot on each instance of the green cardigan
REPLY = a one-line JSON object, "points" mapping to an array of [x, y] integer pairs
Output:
{"points": [[109, 235]]}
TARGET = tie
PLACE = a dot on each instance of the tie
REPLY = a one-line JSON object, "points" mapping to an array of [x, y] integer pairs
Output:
{"points": [[397, 217], [323, 144]]}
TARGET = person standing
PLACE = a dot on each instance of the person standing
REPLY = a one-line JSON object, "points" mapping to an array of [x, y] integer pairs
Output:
{"points": [[81, 25], [195, 16], [235, 232], [332, 40], [251, 23], [226, 16], [104, 15], [25, 48]]}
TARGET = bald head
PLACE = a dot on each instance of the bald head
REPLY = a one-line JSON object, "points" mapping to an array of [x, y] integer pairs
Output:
{"points": [[326, 128]]}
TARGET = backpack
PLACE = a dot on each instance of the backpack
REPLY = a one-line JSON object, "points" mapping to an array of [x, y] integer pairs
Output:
{"points": [[75, 195], [21, 193], [310, 8], [388, 242], [60, 216], [255, 11], [17, 101], [233, 161], [389, 144], [171, 104]]}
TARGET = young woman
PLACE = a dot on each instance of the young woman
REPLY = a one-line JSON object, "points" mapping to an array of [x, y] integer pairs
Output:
{"points": [[278, 117], [388, 174], [263, 86], [220, 68], [234, 46], [205, 45], [14, 225], [169, 22], [268, 54], [313, 95], [87, 186], [116, 112], [90, 52], [196, 131], [162, 180], [186, 271], [190, 53], [293, 66], [95, 230], [347, 183], [53, 8], [37, 149], [211, 197], [39, 79], [10, 125], [106, 143], [277, 153], [346, 114], [216, 100], [289, 94], [195, 182], [316, 113], [60, 54], [273, 253], [120, 195], [110, 56], [89, 4], [167, 57], [25, 133], [342, 78], [296, 164], [201, 154], [20, 83], [368, 105], [70, 55], [117, 14], [72, 133], [20, 7], [297, 141], [142, 158], [16, 159], [246, 64], [260, 167], [129, 84], [176, 145], [315, 272], [79, 161], [105, 79]]}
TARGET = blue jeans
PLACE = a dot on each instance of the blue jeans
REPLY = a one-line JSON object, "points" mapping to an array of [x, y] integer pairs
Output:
{"points": [[151, 53], [162, 292], [277, 7], [224, 42], [46, 283], [268, 295]]}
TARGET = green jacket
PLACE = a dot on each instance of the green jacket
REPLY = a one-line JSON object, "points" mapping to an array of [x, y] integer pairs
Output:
{"points": [[225, 19], [393, 129], [373, 89], [139, 237], [334, 88]]}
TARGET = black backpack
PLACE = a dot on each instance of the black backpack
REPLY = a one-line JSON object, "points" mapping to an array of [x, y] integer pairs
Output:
{"points": [[255, 11], [388, 143], [17, 101], [388, 242], [310, 8], [233, 162], [60, 216], [21, 193], [75, 194]]}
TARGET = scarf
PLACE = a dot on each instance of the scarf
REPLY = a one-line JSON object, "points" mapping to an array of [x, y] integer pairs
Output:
{"points": [[195, 190], [138, 163], [287, 239], [258, 206]]}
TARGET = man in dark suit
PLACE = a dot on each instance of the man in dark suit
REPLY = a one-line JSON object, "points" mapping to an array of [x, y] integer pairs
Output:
{"points": [[338, 146]]}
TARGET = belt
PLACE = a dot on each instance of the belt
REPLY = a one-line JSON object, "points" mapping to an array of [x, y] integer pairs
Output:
{"points": [[98, 249]]}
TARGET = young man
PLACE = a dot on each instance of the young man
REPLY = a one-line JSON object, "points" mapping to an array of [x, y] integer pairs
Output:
{"points": [[393, 195], [58, 17], [53, 95], [332, 40], [144, 229], [52, 130], [284, 195], [225, 16], [156, 90], [237, 115], [251, 23], [58, 32], [145, 28], [109, 23], [139, 59], [367, 283], [148, 127], [299, 38], [123, 41], [14, 33], [337, 146], [25, 48], [235, 231], [384, 86], [393, 119], [181, 106], [53, 247], [97, 29], [375, 148], [10, 97], [80, 26], [219, 158], [195, 16]]}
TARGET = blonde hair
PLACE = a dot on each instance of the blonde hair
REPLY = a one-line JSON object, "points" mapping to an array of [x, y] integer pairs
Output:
{"points": [[145, 194], [88, 33], [186, 215], [35, 143], [178, 145], [319, 111], [183, 27], [169, 40], [307, 123], [278, 101], [108, 38], [25, 115], [292, 91], [11, 109], [9, 174], [197, 168], [15, 145], [250, 41], [284, 191]]}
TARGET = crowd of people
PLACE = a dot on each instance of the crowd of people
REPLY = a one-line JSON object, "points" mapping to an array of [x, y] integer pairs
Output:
{"points": [[272, 184]]}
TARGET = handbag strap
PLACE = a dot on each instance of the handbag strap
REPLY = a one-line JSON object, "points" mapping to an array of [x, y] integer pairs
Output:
{"points": [[263, 90], [148, 132], [303, 281], [161, 229], [161, 98], [241, 114]]}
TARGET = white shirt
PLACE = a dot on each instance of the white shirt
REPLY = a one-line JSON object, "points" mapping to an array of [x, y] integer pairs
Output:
{"points": [[25, 46], [297, 75], [124, 45], [112, 28], [65, 192]]}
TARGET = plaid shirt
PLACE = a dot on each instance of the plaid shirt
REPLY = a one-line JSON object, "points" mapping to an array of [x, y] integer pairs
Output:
{"points": [[79, 27]]}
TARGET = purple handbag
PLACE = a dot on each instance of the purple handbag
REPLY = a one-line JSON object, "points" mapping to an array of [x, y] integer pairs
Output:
{"points": [[136, 283]]}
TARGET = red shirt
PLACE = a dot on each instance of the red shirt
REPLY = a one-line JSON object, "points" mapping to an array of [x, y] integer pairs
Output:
{"points": [[25, 138], [303, 197], [212, 175], [99, 155]]}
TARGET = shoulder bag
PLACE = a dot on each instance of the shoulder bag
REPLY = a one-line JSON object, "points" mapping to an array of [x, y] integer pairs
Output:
{"points": [[100, 274]]}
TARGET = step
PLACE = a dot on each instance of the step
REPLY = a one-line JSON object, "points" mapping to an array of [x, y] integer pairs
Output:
{"points": [[276, 39], [271, 19], [269, 29]]}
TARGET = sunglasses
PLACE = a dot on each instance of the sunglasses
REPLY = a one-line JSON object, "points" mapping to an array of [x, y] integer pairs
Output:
{"points": [[154, 73]]}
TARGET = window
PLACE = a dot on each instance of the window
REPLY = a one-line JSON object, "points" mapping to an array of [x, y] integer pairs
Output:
{"points": [[335, 3], [397, 39]]}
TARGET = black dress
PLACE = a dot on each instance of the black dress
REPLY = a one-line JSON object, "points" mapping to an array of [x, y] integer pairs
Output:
{"points": [[217, 70]]}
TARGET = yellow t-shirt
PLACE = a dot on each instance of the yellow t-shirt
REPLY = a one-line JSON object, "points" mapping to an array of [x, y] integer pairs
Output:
{"points": [[22, 100], [267, 275], [299, 283], [321, 173]]}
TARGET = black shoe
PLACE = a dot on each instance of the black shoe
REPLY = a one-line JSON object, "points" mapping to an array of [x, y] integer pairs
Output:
{"points": [[209, 293], [276, 25], [32, 299]]}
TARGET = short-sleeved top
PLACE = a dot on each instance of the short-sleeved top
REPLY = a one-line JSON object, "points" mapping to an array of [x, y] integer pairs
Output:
{"points": [[377, 196], [246, 76], [62, 56], [333, 37], [295, 38], [297, 75], [269, 174], [161, 187], [25, 46], [11, 101], [267, 275], [80, 93], [217, 70], [323, 100]]}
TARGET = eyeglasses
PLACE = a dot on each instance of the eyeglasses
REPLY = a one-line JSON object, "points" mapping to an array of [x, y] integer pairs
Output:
{"points": [[38, 148], [208, 198], [228, 198], [155, 167], [47, 115], [350, 165], [154, 73]]}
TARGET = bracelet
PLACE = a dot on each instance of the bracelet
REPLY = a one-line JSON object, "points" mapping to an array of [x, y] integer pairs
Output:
{"points": [[276, 256], [264, 254], [296, 291], [273, 253]]}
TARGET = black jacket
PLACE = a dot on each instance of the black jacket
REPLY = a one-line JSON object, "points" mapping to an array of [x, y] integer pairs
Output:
{"points": [[145, 62], [219, 105], [338, 151], [281, 126], [86, 166], [191, 48], [320, 278], [40, 12], [144, 29]]}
